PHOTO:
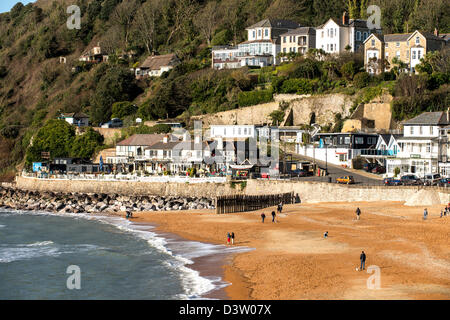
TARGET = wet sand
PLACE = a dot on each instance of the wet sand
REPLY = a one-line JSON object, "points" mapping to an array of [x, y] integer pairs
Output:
{"points": [[292, 260]]}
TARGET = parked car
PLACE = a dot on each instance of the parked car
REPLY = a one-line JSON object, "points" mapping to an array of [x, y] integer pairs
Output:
{"points": [[392, 182], [379, 170], [368, 167], [410, 180], [346, 180], [114, 123], [301, 173], [431, 179], [444, 182]]}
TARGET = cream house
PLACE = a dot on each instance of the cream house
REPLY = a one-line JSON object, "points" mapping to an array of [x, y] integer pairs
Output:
{"points": [[298, 40]]}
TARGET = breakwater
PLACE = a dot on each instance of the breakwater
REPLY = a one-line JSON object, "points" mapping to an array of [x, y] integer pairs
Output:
{"points": [[17, 199]]}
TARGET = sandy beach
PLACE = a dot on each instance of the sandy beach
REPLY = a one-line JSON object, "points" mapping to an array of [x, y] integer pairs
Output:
{"points": [[292, 260]]}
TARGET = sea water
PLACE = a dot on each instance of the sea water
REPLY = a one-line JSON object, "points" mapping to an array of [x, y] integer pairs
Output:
{"points": [[116, 259]]}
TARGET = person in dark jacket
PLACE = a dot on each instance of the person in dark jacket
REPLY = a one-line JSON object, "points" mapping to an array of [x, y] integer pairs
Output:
{"points": [[273, 216], [263, 216], [232, 238], [358, 213], [362, 257]]}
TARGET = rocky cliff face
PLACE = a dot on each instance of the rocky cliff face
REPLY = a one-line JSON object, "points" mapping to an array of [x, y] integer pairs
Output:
{"points": [[302, 109]]}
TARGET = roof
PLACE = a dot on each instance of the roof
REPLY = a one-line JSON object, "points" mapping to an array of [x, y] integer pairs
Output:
{"points": [[275, 23], [428, 36], [156, 62], [143, 140], [75, 115], [339, 23], [379, 37], [180, 145], [257, 41], [396, 37], [386, 138], [299, 31], [429, 118], [445, 36]]}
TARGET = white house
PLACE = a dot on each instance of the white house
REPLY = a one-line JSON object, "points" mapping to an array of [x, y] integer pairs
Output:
{"points": [[76, 118], [334, 35], [261, 48], [155, 66], [233, 131], [419, 145]]}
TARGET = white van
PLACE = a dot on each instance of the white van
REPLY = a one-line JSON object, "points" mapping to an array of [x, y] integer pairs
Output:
{"points": [[431, 179]]}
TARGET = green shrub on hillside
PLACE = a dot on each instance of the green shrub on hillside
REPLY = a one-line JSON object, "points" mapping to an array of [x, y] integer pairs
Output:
{"points": [[122, 109], [361, 80], [250, 98]]}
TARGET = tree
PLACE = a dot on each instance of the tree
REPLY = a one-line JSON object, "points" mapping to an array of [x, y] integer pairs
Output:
{"points": [[183, 12], [235, 17], [86, 144], [145, 24], [399, 66], [56, 137], [122, 109], [361, 80], [277, 117], [118, 84], [207, 20], [123, 16]]}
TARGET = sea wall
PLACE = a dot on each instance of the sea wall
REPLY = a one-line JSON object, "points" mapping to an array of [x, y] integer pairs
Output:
{"points": [[311, 192]]}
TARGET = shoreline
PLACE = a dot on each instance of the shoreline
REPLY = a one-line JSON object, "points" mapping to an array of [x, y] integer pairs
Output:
{"points": [[291, 259]]}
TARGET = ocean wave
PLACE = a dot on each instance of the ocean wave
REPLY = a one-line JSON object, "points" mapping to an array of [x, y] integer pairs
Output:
{"points": [[181, 253], [2, 226], [17, 252]]}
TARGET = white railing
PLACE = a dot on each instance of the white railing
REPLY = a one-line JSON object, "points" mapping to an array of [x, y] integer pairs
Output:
{"points": [[124, 177]]}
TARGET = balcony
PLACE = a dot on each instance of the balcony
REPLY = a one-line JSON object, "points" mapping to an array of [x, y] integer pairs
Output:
{"points": [[377, 153]]}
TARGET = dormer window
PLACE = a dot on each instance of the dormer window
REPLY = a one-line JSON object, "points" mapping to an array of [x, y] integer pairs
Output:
{"points": [[417, 40], [373, 43]]}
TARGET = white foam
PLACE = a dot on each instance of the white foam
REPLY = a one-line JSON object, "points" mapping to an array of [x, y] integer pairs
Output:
{"points": [[194, 285], [2, 226]]}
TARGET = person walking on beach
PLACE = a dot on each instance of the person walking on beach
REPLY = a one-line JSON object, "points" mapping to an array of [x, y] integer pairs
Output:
{"points": [[325, 235], [358, 213], [263, 216], [273, 216], [228, 238], [362, 257], [232, 238], [425, 214], [441, 213]]}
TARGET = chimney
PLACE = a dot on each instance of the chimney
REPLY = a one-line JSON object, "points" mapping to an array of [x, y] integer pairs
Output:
{"points": [[345, 18], [436, 32], [166, 139]]}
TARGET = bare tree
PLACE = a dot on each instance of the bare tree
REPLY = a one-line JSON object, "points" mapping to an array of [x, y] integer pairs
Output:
{"points": [[207, 20], [145, 23], [183, 12], [123, 16]]}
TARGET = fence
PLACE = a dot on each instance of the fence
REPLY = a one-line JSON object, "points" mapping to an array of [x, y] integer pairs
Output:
{"points": [[124, 177], [243, 203]]}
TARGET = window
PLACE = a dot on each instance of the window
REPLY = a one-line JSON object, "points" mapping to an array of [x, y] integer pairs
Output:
{"points": [[373, 43], [421, 130], [259, 33], [245, 131], [397, 44], [284, 50], [411, 130], [342, 157], [266, 32], [254, 34], [419, 54], [428, 148], [284, 39], [397, 54], [347, 140], [417, 40], [430, 130], [240, 131], [414, 54], [386, 45], [331, 33], [323, 34], [365, 36], [359, 140], [358, 35]]}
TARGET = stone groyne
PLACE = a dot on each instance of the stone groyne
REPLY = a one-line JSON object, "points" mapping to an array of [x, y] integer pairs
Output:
{"points": [[17, 199]]}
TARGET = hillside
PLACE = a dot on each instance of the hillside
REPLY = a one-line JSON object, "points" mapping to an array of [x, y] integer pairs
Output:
{"points": [[36, 87]]}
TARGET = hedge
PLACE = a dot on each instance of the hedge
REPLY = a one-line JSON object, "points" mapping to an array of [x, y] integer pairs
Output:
{"points": [[250, 98]]}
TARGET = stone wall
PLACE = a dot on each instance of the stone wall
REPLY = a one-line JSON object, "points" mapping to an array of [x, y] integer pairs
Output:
{"points": [[323, 106], [310, 192]]}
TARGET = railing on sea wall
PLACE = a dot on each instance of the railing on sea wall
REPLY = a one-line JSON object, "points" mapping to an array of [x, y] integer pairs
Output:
{"points": [[243, 203], [124, 177]]}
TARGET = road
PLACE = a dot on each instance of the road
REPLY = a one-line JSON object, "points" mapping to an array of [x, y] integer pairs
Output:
{"points": [[335, 171]]}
